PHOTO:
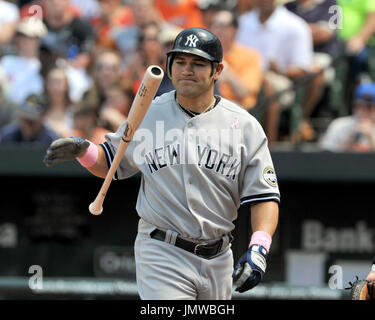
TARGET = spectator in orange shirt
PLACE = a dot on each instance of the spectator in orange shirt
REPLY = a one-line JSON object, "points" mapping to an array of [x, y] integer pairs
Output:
{"points": [[241, 78], [181, 13], [114, 14]]}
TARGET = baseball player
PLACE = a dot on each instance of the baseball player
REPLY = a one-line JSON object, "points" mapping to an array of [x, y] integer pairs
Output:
{"points": [[201, 158]]}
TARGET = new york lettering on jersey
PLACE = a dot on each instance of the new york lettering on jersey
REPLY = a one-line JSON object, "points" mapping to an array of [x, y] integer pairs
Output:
{"points": [[208, 158]]}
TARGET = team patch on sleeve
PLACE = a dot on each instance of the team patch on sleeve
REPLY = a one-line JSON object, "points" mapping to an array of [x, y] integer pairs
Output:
{"points": [[269, 176]]}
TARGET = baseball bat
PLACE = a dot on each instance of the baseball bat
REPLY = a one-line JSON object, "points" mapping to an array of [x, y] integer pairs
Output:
{"points": [[143, 98]]}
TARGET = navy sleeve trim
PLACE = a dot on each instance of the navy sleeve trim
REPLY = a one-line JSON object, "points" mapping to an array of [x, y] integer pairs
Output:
{"points": [[109, 156], [261, 198]]}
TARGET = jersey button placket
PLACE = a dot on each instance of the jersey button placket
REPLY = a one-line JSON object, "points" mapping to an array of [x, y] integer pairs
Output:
{"points": [[189, 151]]}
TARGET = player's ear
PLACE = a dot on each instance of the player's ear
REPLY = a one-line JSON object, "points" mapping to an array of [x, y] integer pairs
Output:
{"points": [[218, 69]]}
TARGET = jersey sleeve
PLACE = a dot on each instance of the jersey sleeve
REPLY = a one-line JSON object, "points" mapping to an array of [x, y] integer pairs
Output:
{"points": [[127, 166], [258, 179]]}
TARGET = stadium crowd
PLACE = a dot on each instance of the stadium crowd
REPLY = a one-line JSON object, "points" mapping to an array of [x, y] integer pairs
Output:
{"points": [[72, 67]]}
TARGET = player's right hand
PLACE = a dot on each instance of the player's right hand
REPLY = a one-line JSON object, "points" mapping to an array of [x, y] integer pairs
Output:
{"points": [[65, 149], [250, 268]]}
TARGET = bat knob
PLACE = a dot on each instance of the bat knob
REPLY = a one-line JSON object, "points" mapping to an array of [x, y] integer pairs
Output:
{"points": [[95, 211]]}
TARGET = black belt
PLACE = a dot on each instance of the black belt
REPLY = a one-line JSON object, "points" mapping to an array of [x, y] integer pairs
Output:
{"points": [[200, 249]]}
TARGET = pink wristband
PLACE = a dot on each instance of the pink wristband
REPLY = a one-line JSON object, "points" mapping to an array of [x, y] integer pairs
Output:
{"points": [[261, 238], [90, 156]]}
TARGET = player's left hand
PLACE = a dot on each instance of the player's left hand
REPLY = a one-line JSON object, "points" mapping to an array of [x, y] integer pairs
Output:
{"points": [[65, 149], [250, 268]]}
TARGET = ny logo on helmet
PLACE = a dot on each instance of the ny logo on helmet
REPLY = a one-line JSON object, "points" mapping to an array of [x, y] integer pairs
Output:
{"points": [[191, 40]]}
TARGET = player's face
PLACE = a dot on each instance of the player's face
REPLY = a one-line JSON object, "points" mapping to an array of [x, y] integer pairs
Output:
{"points": [[191, 75]]}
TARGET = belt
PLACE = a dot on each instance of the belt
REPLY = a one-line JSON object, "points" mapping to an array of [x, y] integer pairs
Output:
{"points": [[203, 250]]}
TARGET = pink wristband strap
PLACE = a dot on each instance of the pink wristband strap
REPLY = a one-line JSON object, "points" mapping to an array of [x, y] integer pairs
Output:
{"points": [[90, 156], [261, 238]]}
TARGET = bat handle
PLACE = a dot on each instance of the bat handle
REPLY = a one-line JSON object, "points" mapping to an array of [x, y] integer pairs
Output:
{"points": [[96, 207]]}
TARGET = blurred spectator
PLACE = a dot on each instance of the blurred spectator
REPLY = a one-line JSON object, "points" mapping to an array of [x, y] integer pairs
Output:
{"points": [[318, 15], [22, 69], [59, 116], [357, 30], [268, 28], [241, 78], [355, 132], [358, 24], [244, 6], [208, 9], [150, 52], [23, 2], [9, 15], [116, 107], [181, 13], [31, 127], [166, 38], [263, 29], [88, 9], [113, 14], [68, 37], [126, 37], [106, 73], [35, 9], [7, 107], [85, 122]]}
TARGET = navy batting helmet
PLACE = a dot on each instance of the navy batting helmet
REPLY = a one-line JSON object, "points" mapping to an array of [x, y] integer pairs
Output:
{"points": [[197, 41]]}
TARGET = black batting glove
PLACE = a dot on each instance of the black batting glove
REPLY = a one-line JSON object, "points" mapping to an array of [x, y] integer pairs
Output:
{"points": [[250, 268], [65, 149]]}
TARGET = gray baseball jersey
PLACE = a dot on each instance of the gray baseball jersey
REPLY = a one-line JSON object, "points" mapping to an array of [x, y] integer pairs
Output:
{"points": [[196, 171]]}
